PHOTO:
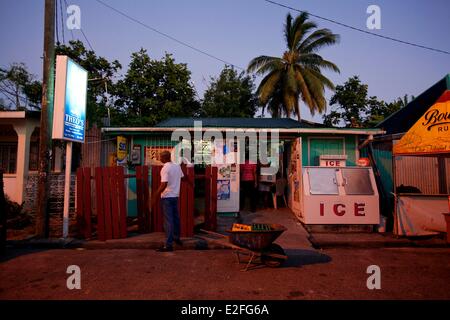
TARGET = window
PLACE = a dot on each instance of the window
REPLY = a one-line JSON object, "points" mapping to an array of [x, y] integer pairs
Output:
{"points": [[34, 156], [8, 157]]}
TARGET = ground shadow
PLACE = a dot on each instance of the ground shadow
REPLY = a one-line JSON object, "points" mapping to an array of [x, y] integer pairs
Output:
{"points": [[12, 252], [301, 257]]}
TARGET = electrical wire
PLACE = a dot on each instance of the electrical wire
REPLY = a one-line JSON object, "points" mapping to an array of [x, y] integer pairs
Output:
{"points": [[56, 22], [71, 31], [84, 35], [62, 20], [81, 29], [168, 36], [358, 29]]}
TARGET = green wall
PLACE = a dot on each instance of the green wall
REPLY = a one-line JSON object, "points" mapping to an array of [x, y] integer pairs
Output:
{"points": [[314, 145], [148, 140]]}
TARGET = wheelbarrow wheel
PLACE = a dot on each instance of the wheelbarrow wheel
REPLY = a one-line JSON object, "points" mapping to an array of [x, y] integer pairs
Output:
{"points": [[273, 262]]}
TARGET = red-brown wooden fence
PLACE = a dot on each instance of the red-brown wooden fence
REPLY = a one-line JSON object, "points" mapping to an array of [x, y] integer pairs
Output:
{"points": [[111, 205], [83, 199], [142, 194], [211, 198], [110, 195], [185, 202]]}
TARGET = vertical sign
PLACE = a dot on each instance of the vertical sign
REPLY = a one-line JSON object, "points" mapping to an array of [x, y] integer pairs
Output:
{"points": [[70, 100], [69, 117]]}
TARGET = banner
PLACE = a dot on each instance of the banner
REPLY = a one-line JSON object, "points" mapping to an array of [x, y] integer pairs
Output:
{"points": [[431, 134], [421, 215]]}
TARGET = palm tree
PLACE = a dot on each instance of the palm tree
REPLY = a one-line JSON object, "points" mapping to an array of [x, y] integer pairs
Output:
{"points": [[297, 74]]}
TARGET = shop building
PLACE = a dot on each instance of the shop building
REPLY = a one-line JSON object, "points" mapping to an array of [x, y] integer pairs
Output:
{"points": [[414, 160], [319, 170]]}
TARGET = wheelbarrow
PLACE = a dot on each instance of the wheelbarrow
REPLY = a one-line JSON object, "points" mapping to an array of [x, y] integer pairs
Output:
{"points": [[257, 244]]}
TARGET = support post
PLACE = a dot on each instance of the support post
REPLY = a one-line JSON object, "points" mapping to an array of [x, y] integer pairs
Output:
{"points": [[45, 142], [67, 189]]}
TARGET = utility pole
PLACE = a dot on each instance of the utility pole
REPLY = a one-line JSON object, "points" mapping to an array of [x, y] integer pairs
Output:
{"points": [[45, 141]]}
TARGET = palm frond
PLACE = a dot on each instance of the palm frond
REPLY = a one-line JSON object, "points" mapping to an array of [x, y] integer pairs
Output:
{"points": [[313, 59], [304, 90], [268, 85], [260, 62], [317, 40]]}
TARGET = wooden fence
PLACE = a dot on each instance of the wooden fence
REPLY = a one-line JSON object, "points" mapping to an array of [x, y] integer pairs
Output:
{"points": [[110, 196]]}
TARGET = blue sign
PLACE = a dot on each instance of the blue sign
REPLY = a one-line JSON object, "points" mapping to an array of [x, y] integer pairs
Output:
{"points": [[75, 102]]}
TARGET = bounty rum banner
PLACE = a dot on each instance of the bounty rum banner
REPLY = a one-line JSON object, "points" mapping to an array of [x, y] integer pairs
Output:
{"points": [[431, 134]]}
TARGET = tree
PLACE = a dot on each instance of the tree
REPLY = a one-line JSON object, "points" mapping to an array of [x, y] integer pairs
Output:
{"points": [[381, 111], [230, 95], [298, 73], [153, 90], [351, 106], [18, 86], [100, 74]]}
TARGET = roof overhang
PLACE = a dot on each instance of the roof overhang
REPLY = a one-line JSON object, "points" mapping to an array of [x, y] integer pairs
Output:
{"points": [[12, 114], [141, 130]]}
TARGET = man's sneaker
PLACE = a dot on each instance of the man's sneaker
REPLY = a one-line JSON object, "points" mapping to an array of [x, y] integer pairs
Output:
{"points": [[178, 242], [164, 249]]}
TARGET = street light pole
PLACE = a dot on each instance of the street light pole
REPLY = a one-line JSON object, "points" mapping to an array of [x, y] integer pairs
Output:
{"points": [[45, 141]]}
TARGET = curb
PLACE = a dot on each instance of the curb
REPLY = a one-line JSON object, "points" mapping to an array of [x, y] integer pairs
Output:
{"points": [[72, 243], [376, 244]]}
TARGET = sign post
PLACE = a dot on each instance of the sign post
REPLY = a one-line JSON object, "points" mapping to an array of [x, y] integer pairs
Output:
{"points": [[69, 117], [67, 189]]}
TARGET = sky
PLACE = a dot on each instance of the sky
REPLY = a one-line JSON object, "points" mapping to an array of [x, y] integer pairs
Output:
{"points": [[238, 30]]}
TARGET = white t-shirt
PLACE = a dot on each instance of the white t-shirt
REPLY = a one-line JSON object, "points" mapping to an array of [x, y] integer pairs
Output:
{"points": [[172, 174]]}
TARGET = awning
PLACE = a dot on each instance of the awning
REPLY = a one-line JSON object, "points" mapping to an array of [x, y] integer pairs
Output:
{"points": [[430, 134]]}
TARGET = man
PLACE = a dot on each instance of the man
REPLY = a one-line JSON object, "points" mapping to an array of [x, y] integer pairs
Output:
{"points": [[169, 190]]}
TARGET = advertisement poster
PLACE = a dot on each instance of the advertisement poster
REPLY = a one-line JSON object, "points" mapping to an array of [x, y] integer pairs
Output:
{"points": [[223, 189], [152, 155], [69, 117], [224, 172], [121, 150], [135, 155], [430, 134]]}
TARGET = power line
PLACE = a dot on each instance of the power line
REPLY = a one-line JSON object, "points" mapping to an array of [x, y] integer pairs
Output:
{"points": [[84, 35], [81, 29], [168, 36], [62, 20], [358, 29], [56, 22], [71, 31]]}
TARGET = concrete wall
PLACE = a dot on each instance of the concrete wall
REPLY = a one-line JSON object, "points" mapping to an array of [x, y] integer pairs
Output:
{"points": [[15, 182], [56, 192]]}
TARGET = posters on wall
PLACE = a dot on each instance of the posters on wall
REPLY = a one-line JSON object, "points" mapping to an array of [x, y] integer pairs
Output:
{"points": [[122, 151], [152, 155], [223, 189], [135, 155], [224, 172]]}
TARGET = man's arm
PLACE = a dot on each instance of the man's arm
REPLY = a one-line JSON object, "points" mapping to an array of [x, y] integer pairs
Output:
{"points": [[161, 188]]}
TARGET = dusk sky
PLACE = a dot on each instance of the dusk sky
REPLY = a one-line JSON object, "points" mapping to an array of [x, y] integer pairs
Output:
{"points": [[237, 31]]}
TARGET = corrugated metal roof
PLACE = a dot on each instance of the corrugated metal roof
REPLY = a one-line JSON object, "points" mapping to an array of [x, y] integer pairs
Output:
{"points": [[402, 120], [269, 123]]}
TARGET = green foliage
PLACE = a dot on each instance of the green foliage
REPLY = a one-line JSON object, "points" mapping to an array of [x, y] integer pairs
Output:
{"points": [[351, 106], [19, 88], [230, 95], [298, 73], [153, 90], [100, 73], [33, 91]]}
